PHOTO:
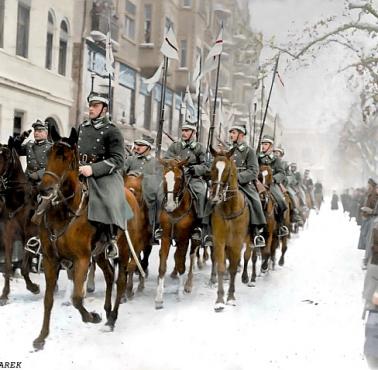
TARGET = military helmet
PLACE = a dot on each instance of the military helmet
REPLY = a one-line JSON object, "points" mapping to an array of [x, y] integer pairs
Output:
{"points": [[267, 139], [145, 140], [279, 149], [189, 126], [98, 97], [39, 125], [238, 127]]}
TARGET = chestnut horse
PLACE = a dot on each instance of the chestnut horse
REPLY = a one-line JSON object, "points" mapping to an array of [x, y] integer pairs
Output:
{"points": [[268, 203], [229, 221], [68, 237], [17, 209], [177, 220]]}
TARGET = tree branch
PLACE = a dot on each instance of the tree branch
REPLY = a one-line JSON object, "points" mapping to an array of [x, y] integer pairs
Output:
{"points": [[366, 7]]}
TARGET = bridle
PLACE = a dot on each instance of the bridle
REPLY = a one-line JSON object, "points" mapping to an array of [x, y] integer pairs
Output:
{"points": [[224, 189], [179, 196]]}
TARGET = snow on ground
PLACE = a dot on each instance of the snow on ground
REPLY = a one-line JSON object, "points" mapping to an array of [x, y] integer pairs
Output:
{"points": [[305, 315]]}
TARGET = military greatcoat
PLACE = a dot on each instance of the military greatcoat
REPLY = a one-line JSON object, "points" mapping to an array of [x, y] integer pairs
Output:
{"points": [[36, 158], [196, 153], [278, 177], [152, 177], [248, 169], [101, 146]]}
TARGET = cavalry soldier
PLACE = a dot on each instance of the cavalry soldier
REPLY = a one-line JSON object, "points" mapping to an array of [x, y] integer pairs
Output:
{"points": [[188, 147], [248, 169], [102, 153], [35, 151], [295, 182], [266, 157], [142, 162], [309, 186]]}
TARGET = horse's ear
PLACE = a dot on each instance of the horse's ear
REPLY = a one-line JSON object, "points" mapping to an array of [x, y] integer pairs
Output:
{"points": [[11, 142], [163, 162], [231, 152], [213, 152], [54, 134], [72, 140]]}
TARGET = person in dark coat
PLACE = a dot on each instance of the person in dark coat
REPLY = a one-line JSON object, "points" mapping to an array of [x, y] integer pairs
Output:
{"points": [[247, 166], [142, 162], [334, 201], [35, 151], [266, 157], [102, 154], [197, 168]]}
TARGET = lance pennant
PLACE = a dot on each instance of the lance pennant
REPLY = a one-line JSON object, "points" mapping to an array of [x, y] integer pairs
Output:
{"points": [[170, 44]]}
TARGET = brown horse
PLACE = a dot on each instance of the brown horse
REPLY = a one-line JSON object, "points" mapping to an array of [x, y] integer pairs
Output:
{"points": [[177, 220], [68, 237], [268, 203], [229, 221], [17, 209]]}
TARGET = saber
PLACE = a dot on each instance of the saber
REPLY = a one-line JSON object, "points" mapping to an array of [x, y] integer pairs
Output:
{"points": [[136, 259]]}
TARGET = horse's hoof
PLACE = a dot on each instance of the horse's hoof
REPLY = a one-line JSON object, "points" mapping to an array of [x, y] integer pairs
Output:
{"points": [[96, 318], [281, 262], [108, 327], [244, 279], [3, 301], [130, 295], [219, 307], [39, 344], [140, 288], [159, 305], [251, 284], [231, 302], [90, 289], [35, 289], [200, 265], [123, 300], [174, 275], [66, 303]]}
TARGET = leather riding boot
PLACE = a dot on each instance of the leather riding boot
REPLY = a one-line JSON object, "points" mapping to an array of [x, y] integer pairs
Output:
{"points": [[111, 250]]}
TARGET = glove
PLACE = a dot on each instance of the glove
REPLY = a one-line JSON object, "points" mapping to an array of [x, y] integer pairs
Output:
{"points": [[25, 134], [33, 176], [191, 171]]}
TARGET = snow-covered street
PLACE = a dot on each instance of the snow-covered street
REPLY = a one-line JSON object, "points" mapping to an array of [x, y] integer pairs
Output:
{"points": [[305, 315]]}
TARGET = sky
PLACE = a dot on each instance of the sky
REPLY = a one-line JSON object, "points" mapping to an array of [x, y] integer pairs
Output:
{"points": [[315, 96]]}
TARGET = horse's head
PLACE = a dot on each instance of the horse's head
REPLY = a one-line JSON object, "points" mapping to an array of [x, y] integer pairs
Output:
{"points": [[173, 182], [223, 171], [5, 159], [265, 175], [62, 162]]}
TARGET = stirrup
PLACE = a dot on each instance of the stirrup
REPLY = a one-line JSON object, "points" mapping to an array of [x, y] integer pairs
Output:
{"points": [[111, 251], [197, 234], [208, 241], [259, 241], [283, 231], [158, 233], [33, 245]]}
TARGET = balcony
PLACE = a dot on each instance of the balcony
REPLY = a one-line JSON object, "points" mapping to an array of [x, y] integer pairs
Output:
{"points": [[100, 19]]}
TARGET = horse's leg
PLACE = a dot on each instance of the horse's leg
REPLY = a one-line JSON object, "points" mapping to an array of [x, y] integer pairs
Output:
{"points": [[281, 261], [234, 258], [8, 247], [91, 286], [252, 283], [247, 256], [51, 275], [67, 300], [219, 250], [163, 254], [146, 254], [213, 275], [25, 270], [108, 272], [130, 277], [193, 252], [180, 257], [266, 253], [199, 259], [80, 274], [275, 245]]}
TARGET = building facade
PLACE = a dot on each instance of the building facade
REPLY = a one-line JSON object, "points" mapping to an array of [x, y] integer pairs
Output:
{"points": [[35, 64]]}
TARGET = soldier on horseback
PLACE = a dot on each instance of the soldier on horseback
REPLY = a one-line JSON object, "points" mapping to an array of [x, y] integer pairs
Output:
{"points": [[266, 157], [143, 162], [35, 151], [102, 153], [309, 186], [246, 163], [188, 147]]}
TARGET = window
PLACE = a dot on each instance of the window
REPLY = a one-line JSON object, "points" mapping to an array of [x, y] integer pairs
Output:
{"points": [[63, 40], [147, 23], [130, 20], [23, 20], [17, 122], [187, 3], [49, 40], [184, 53], [2, 23]]}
